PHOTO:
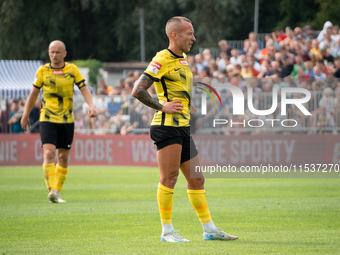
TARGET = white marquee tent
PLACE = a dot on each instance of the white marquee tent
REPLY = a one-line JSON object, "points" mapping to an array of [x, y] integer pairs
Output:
{"points": [[16, 77]]}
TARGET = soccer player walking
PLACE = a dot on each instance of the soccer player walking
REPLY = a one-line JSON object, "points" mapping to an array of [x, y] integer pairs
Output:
{"points": [[170, 130], [56, 117]]}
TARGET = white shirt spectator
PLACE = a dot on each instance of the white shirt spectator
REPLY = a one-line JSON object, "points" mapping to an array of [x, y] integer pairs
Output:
{"points": [[321, 76], [236, 61]]}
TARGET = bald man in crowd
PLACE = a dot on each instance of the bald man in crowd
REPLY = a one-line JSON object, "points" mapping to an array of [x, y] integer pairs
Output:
{"points": [[170, 130], [57, 79]]}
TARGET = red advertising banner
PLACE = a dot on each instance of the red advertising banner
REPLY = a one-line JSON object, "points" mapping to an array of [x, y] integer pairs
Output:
{"points": [[132, 150], [139, 150], [268, 149]]}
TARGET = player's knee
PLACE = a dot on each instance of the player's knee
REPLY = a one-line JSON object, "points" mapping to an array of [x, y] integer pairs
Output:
{"points": [[200, 182], [49, 154], [169, 181], [196, 183], [173, 180], [63, 158]]}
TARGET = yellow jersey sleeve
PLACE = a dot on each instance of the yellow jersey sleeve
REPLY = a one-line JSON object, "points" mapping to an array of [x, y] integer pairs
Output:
{"points": [[78, 77], [38, 79], [157, 67]]}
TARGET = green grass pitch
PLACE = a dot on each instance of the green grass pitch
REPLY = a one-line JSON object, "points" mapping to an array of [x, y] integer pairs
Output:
{"points": [[113, 210]]}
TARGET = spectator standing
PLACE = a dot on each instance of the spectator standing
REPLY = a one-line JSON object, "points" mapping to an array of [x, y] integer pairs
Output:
{"points": [[15, 117], [279, 35], [310, 35], [253, 38], [34, 117], [235, 59], [309, 69], [335, 33], [266, 70], [224, 46], [337, 68], [326, 26], [299, 63], [256, 49], [287, 66], [335, 50], [327, 57], [224, 61], [327, 42], [319, 75], [200, 64], [315, 52]]}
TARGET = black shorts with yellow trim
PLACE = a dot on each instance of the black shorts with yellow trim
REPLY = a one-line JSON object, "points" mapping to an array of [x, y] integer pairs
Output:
{"points": [[164, 136], [59, 134]]}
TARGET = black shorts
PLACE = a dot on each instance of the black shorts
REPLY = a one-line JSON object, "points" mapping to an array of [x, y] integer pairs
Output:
{"points": [[59, 134], [164, 136]]}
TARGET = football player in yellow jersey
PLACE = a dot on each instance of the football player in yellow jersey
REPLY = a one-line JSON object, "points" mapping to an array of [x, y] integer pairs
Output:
{"points": [[56, 118], [170, 129]]}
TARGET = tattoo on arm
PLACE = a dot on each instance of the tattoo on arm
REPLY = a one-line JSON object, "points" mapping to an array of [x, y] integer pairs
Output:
{"points": [[140, 92]]}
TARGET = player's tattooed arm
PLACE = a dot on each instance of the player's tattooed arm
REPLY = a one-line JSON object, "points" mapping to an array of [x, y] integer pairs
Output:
{"points": [[140, 92]]}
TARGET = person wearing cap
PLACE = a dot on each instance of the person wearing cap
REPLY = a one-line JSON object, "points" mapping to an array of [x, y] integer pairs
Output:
{"points": [[308, 31], [279, 35]]}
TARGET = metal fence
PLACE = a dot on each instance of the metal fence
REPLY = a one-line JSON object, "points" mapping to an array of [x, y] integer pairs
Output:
{"points": [[126, 115]]}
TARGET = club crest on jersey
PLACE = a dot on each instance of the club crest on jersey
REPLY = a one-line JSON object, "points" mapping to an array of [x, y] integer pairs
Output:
{"points": [[67, 75], [183, 62], [155, 67], [58, 72]]}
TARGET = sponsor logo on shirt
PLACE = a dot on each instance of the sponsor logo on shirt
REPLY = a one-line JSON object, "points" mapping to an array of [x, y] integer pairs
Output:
{"points": [[155, 67], [58, 72], [183, 62], [36, 78]]}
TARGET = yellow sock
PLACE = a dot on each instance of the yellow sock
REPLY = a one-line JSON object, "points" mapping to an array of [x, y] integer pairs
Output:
{"points": [[49, 176], [60, 176], [164, 198], [199, 202]]}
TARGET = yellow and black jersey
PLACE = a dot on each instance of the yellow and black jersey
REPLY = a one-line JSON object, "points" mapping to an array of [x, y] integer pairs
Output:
{"points": [[173, 81], [57, 93]]}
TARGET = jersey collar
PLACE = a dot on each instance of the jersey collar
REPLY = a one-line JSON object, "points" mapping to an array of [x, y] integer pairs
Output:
{"points": [[57, 68], [175, 54]]}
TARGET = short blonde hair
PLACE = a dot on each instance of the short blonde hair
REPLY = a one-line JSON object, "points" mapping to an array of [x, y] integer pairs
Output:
{"points": [[173, 22]]}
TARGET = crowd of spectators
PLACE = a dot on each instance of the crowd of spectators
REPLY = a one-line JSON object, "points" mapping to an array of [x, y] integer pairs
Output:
{"points": [[287, 58]]}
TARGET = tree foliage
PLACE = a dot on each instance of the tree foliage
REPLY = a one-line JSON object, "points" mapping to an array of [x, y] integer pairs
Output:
{"points": [[109, 30]]}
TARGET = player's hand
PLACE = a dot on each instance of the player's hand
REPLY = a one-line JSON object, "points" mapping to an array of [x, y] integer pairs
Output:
{"points": [[25, 121], [92, 112], [193, 110], [172, 107]]}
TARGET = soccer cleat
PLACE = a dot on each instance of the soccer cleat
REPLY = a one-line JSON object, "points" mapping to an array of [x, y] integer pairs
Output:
{"points": [[54, 197], [218, 234], [173, 237]]}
